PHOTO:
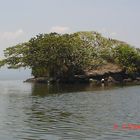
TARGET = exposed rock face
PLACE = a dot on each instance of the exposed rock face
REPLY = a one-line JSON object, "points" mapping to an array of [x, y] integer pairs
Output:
{"points": [[105, 69], [38, 80], [111, 73]]}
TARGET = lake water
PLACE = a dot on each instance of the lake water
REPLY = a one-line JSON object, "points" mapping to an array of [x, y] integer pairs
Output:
{"points": [[67, 112]]}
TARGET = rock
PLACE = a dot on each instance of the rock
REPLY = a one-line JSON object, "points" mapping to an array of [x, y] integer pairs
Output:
{"points": [[138, 78], [91, 80], [127, 80], [107, 78], [38, 80], [111, 80], [30, 80]]}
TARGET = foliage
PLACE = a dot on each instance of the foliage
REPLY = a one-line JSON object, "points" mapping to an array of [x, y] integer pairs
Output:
{"points": [[51, 55], [128, 57], [58, 56]]}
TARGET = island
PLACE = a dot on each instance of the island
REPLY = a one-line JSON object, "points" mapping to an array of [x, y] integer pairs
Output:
{"points": [[81, 57]]}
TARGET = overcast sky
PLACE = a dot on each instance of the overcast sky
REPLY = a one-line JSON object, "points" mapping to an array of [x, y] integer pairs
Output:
{"points": [[22, 19]]}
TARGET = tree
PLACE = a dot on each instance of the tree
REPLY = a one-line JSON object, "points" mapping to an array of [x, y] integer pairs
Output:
{"points": [[51, 55], [128, 57], [66, 55]]}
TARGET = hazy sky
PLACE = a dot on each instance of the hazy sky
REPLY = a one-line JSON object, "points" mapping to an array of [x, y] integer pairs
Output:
{"points": [[22, 19]]}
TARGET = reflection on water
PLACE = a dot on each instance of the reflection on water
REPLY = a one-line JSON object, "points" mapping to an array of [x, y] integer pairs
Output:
{"points": [[45, 112], [44, 89]]}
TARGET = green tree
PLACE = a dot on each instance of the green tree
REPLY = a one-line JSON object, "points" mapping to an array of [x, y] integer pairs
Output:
{"points": [[64, 56], [128, 57], [51, 55]]}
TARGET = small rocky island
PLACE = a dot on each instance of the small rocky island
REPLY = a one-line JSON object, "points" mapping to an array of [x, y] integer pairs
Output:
{"points": [[81, 57], [107, 74]]}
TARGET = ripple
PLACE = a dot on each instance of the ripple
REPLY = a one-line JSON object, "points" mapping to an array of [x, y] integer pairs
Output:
{"points": [[84, 115]]}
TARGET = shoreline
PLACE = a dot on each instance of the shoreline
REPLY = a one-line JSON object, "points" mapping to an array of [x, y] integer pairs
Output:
{"points": [[95, 80]]}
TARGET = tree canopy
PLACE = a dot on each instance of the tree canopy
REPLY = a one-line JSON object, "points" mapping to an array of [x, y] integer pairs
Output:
{"points": [[65, 55]]}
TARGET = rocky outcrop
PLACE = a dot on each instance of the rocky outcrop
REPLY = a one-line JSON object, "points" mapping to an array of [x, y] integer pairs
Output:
{"points": [[109, 73], [104, 69]]}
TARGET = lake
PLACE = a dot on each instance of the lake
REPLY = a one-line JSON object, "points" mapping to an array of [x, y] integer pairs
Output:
{"points": [[68, 112]]}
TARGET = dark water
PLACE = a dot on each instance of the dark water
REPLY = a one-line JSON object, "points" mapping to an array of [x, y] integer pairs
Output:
{"points": [[80, 112]]}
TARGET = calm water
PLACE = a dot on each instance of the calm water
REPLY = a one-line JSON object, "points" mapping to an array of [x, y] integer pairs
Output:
{"points": [[41, 112]]}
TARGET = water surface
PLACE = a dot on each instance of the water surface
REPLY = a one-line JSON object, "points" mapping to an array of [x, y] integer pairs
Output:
{"points": [[67, 112]]}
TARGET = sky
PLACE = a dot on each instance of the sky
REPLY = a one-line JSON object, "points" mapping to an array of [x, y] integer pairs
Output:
{"points": [[22, 19]]}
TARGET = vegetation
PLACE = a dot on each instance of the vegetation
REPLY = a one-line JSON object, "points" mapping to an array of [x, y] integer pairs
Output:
{"points": [[64, 56], [128, 57]]}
